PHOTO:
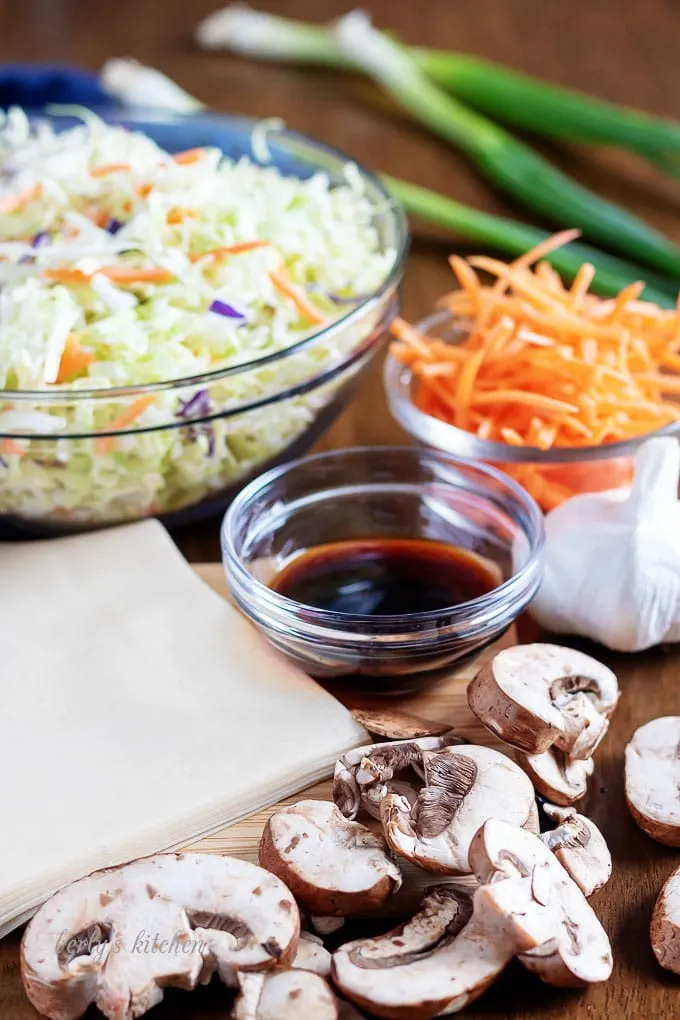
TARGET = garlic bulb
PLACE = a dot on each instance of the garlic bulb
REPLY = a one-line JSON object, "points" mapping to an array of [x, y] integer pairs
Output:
{"points": [[612, 559]]}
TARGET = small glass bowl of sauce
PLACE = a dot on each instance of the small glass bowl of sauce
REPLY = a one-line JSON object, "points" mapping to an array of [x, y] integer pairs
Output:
{"points": [[382, 565]]}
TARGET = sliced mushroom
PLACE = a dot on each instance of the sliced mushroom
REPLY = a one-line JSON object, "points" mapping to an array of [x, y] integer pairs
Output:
{"points": [[435, 963], [464, 786], [653, 779], [374, 795], [285, 995], [333, 866], [119, 937], [377, 764], [664, 930], [580, 848], [574, 948], [557, 777], [395, 725], [312, 955], [538, 696], [326, 925]]}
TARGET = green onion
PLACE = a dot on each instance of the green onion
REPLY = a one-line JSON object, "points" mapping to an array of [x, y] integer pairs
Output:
{"points": [[550, 110], [509, 163], [611, 276], [508, 95]]}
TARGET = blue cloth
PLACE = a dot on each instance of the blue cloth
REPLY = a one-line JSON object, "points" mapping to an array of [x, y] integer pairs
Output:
{"points": [[34, 86]]}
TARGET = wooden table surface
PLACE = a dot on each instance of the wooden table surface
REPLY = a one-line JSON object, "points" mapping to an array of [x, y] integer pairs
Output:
{"points": [[624, 52]]}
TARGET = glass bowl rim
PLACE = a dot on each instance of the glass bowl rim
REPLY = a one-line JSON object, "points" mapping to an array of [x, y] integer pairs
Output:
{"points": [[141, 115], [273, 600], [397, 380]]}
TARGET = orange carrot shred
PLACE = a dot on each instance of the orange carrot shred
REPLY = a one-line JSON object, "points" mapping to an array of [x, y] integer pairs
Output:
{"points": [[104, 169], [74, 359], [298, 297], [104, 444], [230, 249], [19, 201], [11, 446], [188, 156]]}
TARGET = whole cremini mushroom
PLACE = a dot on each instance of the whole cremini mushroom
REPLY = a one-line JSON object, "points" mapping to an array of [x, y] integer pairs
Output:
{"points": [[464, 786], [333, 866], [539, 696], [361, 773], [117, 938], [653, 779], [580, 848], [557, 777], [664, 931]]}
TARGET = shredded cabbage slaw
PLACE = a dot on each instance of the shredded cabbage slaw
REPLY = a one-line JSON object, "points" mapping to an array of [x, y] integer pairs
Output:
{"points": [[123, 266]]}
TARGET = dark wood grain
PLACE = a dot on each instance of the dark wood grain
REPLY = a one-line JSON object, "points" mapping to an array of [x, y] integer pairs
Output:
{"points": [[622, 51]]}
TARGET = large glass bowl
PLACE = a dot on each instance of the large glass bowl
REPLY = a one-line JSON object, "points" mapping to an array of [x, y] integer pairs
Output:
{"points": [[244, 418], [550, 476]]}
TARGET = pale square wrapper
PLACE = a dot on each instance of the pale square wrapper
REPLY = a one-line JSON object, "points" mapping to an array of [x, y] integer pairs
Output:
{"points": [[138, 711]]}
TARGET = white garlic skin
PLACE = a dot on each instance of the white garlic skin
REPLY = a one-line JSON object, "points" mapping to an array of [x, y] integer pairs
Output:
{"points": [[612, 559]]}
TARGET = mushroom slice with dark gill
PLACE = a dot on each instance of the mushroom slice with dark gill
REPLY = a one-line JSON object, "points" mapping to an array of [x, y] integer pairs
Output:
{"points": [[285, 995], [555, 776], [167, 921], [653, 779], [333, 866], [358, 771], [395, 725], [664, 931], [538, 696], [574, 948], [580, 848], [464, 786]]}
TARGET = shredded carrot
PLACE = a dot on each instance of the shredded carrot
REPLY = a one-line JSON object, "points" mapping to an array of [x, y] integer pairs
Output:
{"points": [[144, 190], [298, 297], [122, 275], [74, 359], [10, 446], [104, 169], [178, 215], [543, 366], [19, 201], [188, 156], [230, 249], [104, 444]]}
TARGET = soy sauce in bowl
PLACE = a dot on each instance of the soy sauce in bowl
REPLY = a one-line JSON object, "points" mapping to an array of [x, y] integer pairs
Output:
{"points": [[385, 576]]}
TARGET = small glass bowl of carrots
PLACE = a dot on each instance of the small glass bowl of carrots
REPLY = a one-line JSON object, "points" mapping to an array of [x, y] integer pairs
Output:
{"points": [[553, 384]]}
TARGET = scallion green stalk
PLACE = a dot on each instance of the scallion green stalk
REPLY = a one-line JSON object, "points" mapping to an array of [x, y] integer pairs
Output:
{"points": [[516, 98], [611, 273], [508, 163]]}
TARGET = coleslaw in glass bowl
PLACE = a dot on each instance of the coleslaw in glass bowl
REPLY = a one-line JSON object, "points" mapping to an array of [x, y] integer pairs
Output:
{"points": [[183, 302]]}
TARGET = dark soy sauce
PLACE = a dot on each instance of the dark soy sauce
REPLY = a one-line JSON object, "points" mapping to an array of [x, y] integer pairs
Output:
{"points": [[385, 576]]}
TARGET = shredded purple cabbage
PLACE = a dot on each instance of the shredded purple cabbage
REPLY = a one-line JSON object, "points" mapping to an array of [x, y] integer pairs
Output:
{"points": [[199, 406], [41, 238], [114, 225], [3, 463], [228, 311]]}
